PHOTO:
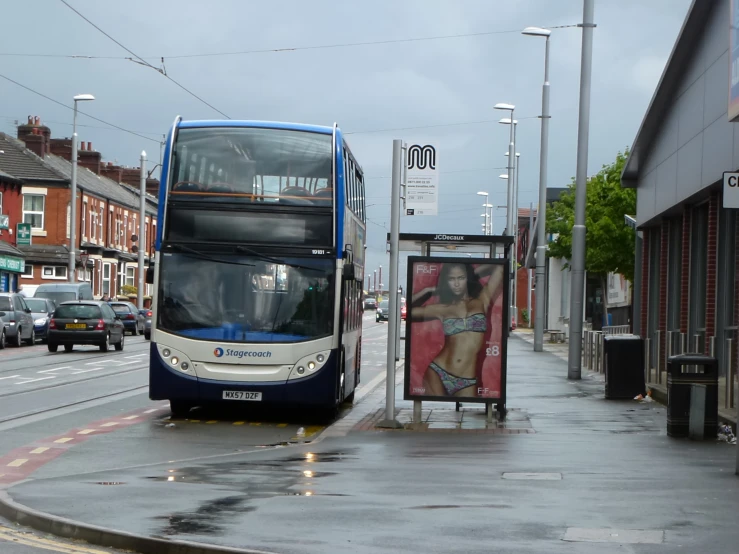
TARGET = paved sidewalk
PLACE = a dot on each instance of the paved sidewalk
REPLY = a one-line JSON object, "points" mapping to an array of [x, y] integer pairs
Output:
{"points": [[594, 476]]}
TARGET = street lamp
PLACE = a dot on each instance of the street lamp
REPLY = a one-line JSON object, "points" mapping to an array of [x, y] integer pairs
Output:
{"points": [[512, 148], [541, 214], [73, 202], [490, 208], [485, 194]]}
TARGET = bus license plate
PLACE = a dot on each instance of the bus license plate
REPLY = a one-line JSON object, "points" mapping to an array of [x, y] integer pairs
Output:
{"points": [[242, 395]]}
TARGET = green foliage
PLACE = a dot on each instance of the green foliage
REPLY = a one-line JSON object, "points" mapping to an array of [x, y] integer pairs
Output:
{"points": [[609, 241], [525, 315], [128, 290]]}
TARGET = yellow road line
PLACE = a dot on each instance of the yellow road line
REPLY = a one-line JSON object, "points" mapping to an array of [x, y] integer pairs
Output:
{"points": [[310, 431], [282, 425], [39, 450], [65, 439], [255, 423], [238, 422], [18, 463], [212, 421], [110, 424], [45, 544], [86, 431]]}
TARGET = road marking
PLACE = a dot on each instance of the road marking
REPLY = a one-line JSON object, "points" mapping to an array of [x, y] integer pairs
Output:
{"points": [[39, 450], [239, 422], [136, 356], [54, 369], [255, 423], [109, 424], [10, 377], [131, 417], [78, 371], [18, 463], [86, 431], [152, 410], [32, 380], [212, 421], [62, 441]]}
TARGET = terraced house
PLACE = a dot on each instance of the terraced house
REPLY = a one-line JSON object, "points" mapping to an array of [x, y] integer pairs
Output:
{"points": [[35, 180]]}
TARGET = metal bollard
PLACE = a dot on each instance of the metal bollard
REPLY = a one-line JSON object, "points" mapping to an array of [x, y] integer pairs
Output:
{"points": [[596, 361], [683, 343], [696, 344], [729, 374], [658, 355], [601, 354]]}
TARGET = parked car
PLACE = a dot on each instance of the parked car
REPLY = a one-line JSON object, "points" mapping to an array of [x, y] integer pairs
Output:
{"points": [[63, 292], [85, 322], [147, 313], [382, 311], [370, 303], [403, 311], [16, 322], [133, 321], [41, 310]]}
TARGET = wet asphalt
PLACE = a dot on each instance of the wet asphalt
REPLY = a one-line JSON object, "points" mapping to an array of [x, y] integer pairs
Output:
{"points": [[594, 469]]}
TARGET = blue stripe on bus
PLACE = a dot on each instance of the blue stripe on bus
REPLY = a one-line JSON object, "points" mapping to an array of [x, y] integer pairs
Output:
{"points": [[340, 189], [163, 190], [262, 124]]}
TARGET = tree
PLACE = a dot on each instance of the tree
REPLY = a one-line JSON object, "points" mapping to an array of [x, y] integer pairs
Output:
{"points": [[609, 242]]}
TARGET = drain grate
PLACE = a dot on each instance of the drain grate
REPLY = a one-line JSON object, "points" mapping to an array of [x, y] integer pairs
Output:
{"points": [[110, 483]]}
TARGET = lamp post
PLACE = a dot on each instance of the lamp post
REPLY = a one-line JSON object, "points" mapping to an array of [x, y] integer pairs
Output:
{"points": [[142, 230], [487, 222], [574, 358], [541, 215], [511, 148], [516, 232], [73, 203], [489, 210]]}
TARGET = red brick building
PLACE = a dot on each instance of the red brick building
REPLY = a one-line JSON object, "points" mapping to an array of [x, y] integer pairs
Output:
{"points": [[107, 211]]}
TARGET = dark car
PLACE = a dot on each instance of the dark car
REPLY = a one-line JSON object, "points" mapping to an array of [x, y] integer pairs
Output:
{"points": [[16, 322], [133, 321], [41, 310], [383, 310], [370, 303], [147, 313], [85, 322]]}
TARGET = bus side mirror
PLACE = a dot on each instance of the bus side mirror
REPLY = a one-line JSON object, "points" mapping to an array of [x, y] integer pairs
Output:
{"points": [[149, 276], [348, 271]]}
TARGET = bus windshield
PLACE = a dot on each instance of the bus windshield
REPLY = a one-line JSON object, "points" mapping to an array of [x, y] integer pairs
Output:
{"points": [[237, 298], [247, 164]]}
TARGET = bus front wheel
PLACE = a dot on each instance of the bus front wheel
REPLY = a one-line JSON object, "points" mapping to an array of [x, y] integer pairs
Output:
{"points": [[180, 408]]}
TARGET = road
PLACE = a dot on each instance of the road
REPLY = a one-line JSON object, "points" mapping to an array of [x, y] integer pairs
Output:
{"points": [[95, 405]]}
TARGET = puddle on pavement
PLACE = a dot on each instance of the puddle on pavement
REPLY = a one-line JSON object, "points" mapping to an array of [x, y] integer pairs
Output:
{"points": [[251, 480]]}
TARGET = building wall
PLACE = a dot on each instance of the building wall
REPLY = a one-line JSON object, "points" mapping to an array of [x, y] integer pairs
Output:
{"points": [[697, 143]]}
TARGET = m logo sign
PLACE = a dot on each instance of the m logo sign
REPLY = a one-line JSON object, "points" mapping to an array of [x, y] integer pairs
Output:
{"points": [[421, 179], [421, 157], [731, 190]]}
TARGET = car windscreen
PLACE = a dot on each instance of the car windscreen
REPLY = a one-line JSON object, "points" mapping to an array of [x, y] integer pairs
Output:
{"points": [[5, 304], [78, 311], [385, 305], [120, 308], [57, 297], [37, 305]]}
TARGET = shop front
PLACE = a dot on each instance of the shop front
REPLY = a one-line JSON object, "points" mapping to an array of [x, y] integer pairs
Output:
{"points": [[12, 265]]}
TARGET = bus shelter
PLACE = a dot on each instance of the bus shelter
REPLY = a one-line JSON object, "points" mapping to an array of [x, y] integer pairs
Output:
{"points": [[439, 366]]}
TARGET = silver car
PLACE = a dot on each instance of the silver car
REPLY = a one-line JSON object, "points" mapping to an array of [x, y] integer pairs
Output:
{"points": [[16, 319]]}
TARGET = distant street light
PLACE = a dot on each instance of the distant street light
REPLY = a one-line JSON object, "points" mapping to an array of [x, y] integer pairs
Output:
{"points": [[73, 203]]}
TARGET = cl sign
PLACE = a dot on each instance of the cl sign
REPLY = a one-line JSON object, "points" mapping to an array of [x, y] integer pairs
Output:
{"points": [[731, 190]]}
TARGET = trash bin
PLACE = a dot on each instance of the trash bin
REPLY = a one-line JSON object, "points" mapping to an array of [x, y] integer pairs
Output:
{"points": [[623, 359], [684, 371]]}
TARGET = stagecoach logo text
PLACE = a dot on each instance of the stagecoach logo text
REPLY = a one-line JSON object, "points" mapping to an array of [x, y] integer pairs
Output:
{"points": [[449, 237], [421, 157], [220, 352]]}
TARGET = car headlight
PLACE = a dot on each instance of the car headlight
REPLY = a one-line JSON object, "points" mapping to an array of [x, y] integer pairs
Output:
{"points": [[41, 321], [176, 359], [308, 365]]}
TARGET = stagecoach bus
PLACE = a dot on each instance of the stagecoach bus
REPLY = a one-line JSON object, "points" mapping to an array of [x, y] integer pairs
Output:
{"points": [[259, 266]]}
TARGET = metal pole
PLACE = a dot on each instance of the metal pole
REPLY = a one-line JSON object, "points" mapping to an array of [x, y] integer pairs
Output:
{"points": [[541, 214], [381, 278], [390, 421], [509, 192], [578, 230], [511, 220], [528, 269], [516, 239], [374, 282], [73, 202], [142, 230]]}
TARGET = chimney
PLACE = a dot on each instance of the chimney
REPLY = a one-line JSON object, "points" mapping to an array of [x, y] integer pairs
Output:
{"points": [[152, 186], [89, 158], [61, 147], [131, 176], [111, 171], [35, 135]]}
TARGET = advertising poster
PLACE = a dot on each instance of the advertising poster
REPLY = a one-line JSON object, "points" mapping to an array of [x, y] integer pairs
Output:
{"points": [[455, 333]]}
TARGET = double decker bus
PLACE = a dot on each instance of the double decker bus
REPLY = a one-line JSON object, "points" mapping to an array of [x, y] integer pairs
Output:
{"points": [[259, 266]]}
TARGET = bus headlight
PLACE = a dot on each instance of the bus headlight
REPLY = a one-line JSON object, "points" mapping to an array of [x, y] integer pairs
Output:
{"points": [[176, 360], [308, 365]]}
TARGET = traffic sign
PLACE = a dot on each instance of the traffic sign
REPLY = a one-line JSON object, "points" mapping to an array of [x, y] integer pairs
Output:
{"points": [[422, 179], [23, 234]]}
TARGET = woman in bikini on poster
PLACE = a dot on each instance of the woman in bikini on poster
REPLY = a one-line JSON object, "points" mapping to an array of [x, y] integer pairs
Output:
{"points": [[463, 310]]}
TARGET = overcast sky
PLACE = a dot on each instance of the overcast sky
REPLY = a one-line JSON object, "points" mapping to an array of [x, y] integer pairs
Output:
{"points": [[447, 85]]}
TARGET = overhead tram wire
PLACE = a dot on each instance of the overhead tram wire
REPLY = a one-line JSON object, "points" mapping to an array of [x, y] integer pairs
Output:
{"points": [[143, 62], [29, 89], [265, 50]]}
